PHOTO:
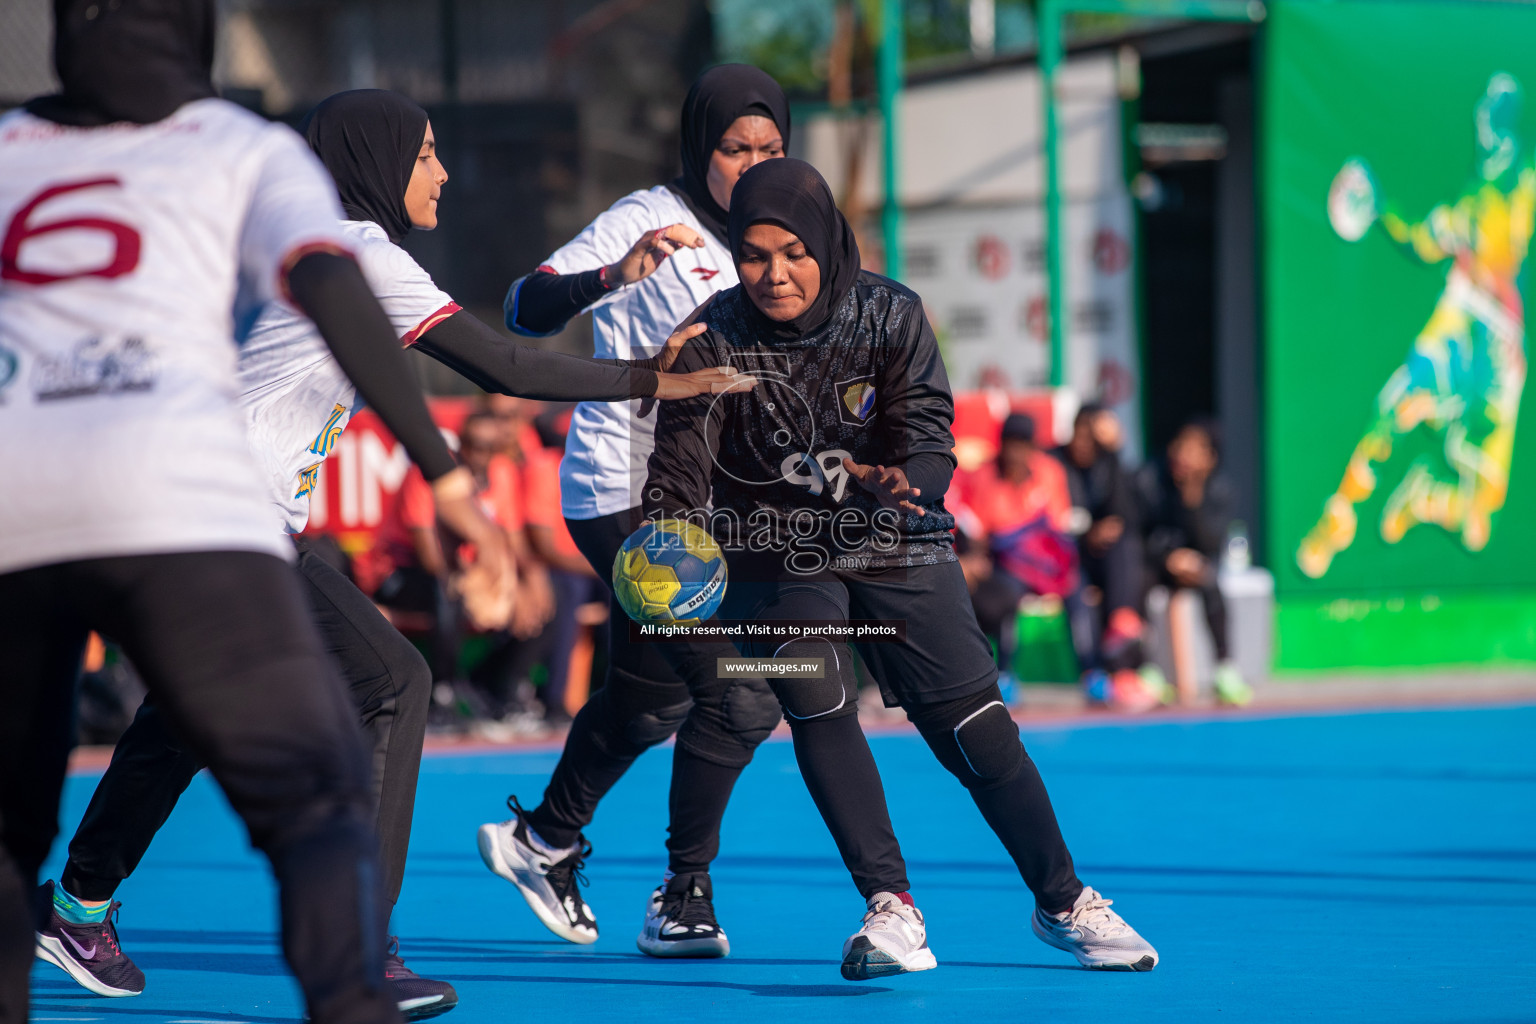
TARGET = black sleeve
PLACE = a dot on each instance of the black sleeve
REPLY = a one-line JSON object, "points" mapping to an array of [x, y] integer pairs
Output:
{"points": [[474, 351], [331, 291], [1122, 495], [912, 391], [542, 302], [930, 473], [680, 467]]}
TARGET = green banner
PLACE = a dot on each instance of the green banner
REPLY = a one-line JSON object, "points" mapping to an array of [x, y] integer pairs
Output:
{"points": [[1398, 195]]}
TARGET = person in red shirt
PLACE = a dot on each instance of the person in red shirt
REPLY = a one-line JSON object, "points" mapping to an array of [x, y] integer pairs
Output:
{"points": [[1018, 508], [1021, 509], [530, 442], [425, 565]]}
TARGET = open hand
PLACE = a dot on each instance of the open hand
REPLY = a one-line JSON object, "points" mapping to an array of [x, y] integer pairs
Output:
{"points": [[889, 484], [651, 251], [1187, 566], [716, 380], [454, 495]]}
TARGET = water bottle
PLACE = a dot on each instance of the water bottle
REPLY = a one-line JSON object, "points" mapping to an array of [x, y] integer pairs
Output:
{"points": [[1236, 558]]}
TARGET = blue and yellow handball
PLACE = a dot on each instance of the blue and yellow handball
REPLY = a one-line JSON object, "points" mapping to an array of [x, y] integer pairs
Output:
{"points": [[669, 571]]}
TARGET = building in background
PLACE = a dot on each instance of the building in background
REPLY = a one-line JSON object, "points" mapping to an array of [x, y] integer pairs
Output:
{"points": [[971, 189], [1340, 281], [545, 111]]}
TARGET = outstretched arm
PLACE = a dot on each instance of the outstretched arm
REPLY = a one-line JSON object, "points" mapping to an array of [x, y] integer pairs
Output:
{"points": [[332, 292], [497, 364], [681, 466], [1355, 204], [541, 303], [1428, 240], [500, 365]]}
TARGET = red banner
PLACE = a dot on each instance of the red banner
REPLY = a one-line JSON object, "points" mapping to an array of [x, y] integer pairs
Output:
{"points": [[358, 483]]}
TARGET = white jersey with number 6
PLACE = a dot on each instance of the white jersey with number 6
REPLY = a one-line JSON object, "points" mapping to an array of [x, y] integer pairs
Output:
{"points": [[122, 249]]}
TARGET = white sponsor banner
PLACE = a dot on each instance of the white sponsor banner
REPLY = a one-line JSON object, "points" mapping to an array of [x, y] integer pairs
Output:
{"points": [[981, 273]]}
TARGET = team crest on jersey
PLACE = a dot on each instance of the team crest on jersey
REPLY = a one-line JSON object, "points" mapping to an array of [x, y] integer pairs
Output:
{"points": [[330, 433], [858, 400]]}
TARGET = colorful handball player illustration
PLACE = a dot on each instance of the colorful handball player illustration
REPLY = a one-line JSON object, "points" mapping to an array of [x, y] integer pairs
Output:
{"points": [[1463, 378]]}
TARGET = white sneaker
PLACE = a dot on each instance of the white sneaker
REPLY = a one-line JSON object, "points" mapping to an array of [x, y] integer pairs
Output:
{"points": [[680, 921], [1096, 935], [548, 880], [892, 940]]}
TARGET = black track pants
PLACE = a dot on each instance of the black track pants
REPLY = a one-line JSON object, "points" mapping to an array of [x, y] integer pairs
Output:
{"points": [[390, 687], [225, 644], [976, 739]]}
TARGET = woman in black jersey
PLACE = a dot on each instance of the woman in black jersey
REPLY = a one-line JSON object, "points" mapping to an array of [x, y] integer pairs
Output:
{"points": [[640, 268], [827, 485]]}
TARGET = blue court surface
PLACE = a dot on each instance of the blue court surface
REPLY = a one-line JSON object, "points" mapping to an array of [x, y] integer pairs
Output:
{"points": [[1363, 866]]}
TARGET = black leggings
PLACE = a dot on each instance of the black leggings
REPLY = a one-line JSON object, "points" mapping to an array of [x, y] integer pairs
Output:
{"points": [[650, 689], [972, 735], [601, 746], [389, 686], [224, 643]]}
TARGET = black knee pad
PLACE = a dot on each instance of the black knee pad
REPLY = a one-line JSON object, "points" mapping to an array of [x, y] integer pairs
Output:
{"points": [[974, 737], [629, 716], [730, 716], [834, 695], [751, 710], [988, 740], [654, 725]]}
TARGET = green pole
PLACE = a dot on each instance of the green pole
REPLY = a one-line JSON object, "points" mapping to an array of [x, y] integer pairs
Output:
{"points": [[1049, 29], [888, 78]]}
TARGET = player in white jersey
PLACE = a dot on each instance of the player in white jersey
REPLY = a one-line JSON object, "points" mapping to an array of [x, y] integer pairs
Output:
{"points": [[642, 268], [381, 152], [133, 205]]}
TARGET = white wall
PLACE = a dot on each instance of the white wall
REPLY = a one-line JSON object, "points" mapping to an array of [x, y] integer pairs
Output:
{"points": [[972, 181]]}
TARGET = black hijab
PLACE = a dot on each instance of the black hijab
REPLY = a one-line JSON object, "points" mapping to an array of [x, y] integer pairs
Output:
{"points": [[793, 195], [369, 140], [128, 60], [718, 97]]}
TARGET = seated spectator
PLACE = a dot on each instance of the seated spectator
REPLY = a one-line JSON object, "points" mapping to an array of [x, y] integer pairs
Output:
{"points": [[425, 567], [1019, 509], [1104, 519], [510, 671], [1184, 522]]}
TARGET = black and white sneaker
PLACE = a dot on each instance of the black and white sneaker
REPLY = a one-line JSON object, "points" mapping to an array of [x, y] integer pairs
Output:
{"points": [[89, 953], [549, 880], [417, 997], [680, 920]]}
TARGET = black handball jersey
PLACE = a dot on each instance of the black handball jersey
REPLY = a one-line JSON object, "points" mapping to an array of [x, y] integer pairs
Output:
{"points": [[765, 467]]}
